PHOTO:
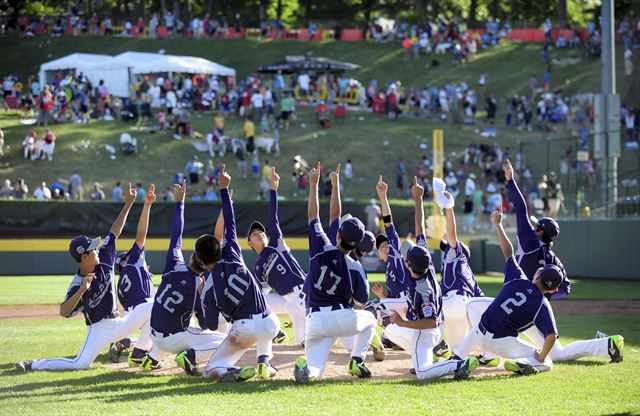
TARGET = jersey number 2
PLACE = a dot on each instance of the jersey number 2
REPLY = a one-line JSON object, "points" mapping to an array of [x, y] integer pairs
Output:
{"points": [[174, 299], [521, 299], [337, 279]]}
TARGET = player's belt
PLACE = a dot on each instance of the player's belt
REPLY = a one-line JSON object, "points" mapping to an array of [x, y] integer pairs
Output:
{"points": [[328, 308], [112, 315], [484, 331], [161, 334], [294, 289], [251, 316], [457, 292]]}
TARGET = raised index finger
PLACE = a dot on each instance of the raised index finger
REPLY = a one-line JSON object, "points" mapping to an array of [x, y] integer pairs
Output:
{"points": [[338, 169]]}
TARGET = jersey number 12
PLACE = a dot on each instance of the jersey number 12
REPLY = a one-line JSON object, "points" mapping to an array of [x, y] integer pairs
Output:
{"points": [[174, 299]]}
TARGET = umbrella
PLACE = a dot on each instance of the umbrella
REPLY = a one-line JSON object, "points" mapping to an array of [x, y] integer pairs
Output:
{"points": [[293, 64]]}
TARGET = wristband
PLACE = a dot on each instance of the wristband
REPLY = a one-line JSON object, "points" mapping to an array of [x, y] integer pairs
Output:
{"points": [[387, 219]]}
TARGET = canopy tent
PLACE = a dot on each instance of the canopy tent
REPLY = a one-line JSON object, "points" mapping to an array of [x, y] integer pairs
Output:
{"points": [[294, 64], [95, 67], [152, 63]]}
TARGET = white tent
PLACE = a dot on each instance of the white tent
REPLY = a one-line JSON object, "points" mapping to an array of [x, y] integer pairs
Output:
{"points": [[96, 67], [153, 63]]}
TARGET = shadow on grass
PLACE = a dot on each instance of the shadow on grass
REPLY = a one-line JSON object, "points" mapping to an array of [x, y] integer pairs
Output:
{"points": [[585, 363]]}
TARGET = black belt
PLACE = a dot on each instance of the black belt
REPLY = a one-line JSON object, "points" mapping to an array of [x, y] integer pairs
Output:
{"points": [[112, 315], [251, 316], [320, 308], [161, 334], [294, 289]]}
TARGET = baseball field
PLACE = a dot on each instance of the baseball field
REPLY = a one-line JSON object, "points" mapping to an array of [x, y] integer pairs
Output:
{"points": [[31, 328]]}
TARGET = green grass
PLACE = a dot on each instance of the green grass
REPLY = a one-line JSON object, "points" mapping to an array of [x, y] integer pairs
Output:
{"points": [[25, 290], [586, 386], [360, 137]]}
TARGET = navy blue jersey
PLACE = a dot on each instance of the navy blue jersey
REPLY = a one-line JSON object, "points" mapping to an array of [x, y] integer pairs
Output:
{"points": [[518, 306], [425, 299], [231, 288], [99, 301], [176, 296], [531, 253], [397, 274], [276, 266], [134, 286], [334, 278], [456, 273]]}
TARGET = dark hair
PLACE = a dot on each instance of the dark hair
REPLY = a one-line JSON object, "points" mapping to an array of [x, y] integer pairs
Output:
{"points": [[545, 239], [208, 249], [443, 245]]}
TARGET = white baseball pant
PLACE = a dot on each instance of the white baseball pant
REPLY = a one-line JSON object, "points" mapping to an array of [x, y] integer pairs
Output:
{"points": [[244, 333], [325, 326], [143, 342], [597, 347], [203, 342], [508, 347], [398, 305], [454, 308], [99, 335], [420, 343], [290, 304]]}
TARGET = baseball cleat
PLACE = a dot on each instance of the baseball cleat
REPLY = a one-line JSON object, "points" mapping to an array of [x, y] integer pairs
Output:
{"points": [[23, 366], [616, 345], [489, 362], [265, 371], [301, 371], [149, 364], [465, 368], [358, 369], [379, 353], [115, 351], [238, 375], [520, 368], [412, 371], [281, 338], [442, 350], [187, 361]]}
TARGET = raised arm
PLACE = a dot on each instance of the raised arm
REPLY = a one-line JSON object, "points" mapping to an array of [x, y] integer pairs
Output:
{"points": [[275, 232], [452, 233], [218, 231], [526, 235], [174, 255], [381, 189], [505, 244], [129, 199], [313, 208], [143, 222], [231, 247], [335, 205], [418, 191]]}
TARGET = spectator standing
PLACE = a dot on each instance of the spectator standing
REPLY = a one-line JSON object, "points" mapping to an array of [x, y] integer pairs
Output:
{"points": [[116, 192], [400, 172], [249, 133], [141, 191], [628, 64], [348, 170], [22, 190], [373, 213], [49, 144], [75, 186], [241, 161], [1, 143], [470, 185], [265, 183], [194, 169], [42, 192], [554, 194], [469, 215], [153, 26], [97, 194]]}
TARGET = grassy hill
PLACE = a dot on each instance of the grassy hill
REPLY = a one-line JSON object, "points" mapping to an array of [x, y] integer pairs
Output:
{"points": [[373, 143]]}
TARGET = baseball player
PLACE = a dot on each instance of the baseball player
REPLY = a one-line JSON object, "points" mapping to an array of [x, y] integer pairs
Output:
{"points": [[334, 284], [520, 304], [457, 283], [421, 331], [93, 292], [231, 289], [364, 247], [276, 267], [174, 304], [135, 285], [534, 250]]}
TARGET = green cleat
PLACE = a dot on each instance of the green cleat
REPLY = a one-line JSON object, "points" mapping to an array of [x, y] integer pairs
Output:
{"points": [[265, 371], [358, 369], [379, 352], [238, 374], [465, 368], [520, 368], [616, 345], [149, 364], [442, 350], [135, 362], [301, 371], [489, 362], [187, 362]]}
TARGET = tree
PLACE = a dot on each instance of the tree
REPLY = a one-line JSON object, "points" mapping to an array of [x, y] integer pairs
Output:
{"points": [[562, 13], [473, 11]]}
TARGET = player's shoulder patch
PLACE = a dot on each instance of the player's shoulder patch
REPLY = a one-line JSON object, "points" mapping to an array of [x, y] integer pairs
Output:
{"points": [[424, 289], [106, 240]]}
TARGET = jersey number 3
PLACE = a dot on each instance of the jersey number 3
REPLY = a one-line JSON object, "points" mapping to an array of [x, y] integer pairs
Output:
{"points": [[174, 299], [337, 279], [521, 299]]}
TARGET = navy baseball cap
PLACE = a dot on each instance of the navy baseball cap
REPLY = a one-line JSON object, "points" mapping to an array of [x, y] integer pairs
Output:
{"points": [[119, 259], [82, 244], [367, 244], [548, 225], [419, 259], [381, 238], [351, 231], [551, 276], [256, 225]]}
